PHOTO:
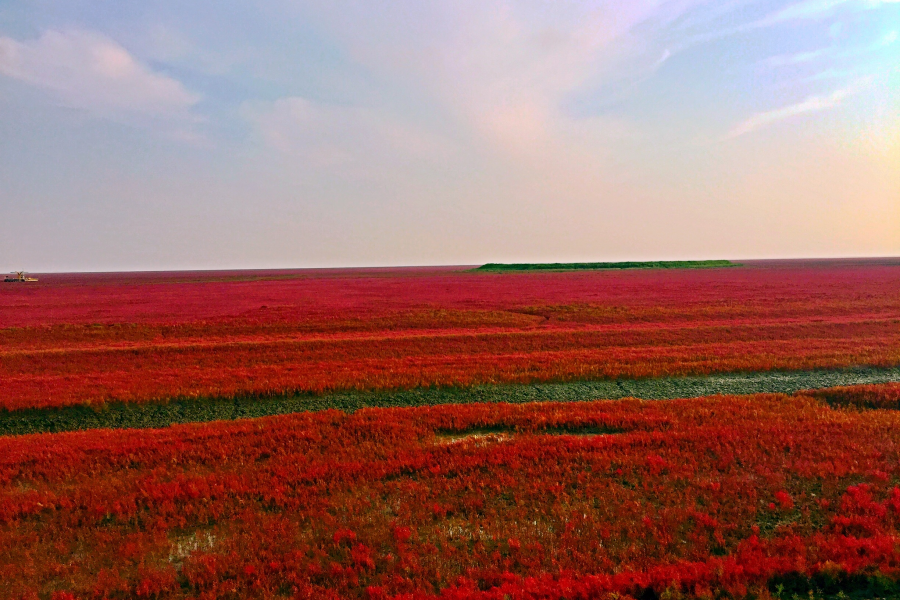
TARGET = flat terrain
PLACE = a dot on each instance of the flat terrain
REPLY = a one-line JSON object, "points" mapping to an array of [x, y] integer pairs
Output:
{"points": [[92, 339], [448, 433], [191, 410], [658, 264]]}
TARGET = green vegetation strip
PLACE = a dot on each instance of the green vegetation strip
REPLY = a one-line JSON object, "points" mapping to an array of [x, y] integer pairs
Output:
{"points": [[126, 415], [658, 264]]}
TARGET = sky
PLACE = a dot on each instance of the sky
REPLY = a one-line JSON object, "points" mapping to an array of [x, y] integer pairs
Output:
{"points": [[244, 134]]}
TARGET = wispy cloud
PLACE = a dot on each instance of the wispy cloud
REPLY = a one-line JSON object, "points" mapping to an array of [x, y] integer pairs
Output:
{"points": [[810, 105], [786, 60], [808, 9], [90, 71], [504, 70], [323, 135], [819, 9]]}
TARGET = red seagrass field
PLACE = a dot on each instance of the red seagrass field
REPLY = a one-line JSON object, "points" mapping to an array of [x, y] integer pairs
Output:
{"points": [[750, 495], [86, 339]]}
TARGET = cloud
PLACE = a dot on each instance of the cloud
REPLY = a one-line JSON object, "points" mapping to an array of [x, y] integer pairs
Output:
{"points": [[808, 9], [324, 135], [819, 9], [89, 71], [785, 60], [503, 71], [810, 105]]}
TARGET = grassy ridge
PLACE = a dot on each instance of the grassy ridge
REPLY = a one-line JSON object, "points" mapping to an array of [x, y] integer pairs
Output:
{"points": [[656, 264], [128, 415]]}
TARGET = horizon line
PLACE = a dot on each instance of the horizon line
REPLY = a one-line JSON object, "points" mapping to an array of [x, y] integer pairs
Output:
{"points": [[441, 266]]}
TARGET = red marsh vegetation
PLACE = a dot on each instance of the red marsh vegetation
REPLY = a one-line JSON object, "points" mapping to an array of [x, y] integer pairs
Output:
{"points": [[93, 338], [732, 495]]}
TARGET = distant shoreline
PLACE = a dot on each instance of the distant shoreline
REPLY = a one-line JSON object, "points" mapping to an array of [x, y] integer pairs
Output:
{"points": [[656, 264]]}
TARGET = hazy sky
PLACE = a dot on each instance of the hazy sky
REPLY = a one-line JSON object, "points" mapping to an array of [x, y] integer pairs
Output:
{"points": [[225, 134]]}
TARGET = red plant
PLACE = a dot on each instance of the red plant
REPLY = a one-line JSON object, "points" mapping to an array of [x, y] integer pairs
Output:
{"points": [[82, 339], [862, 396], [721, 493]]}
